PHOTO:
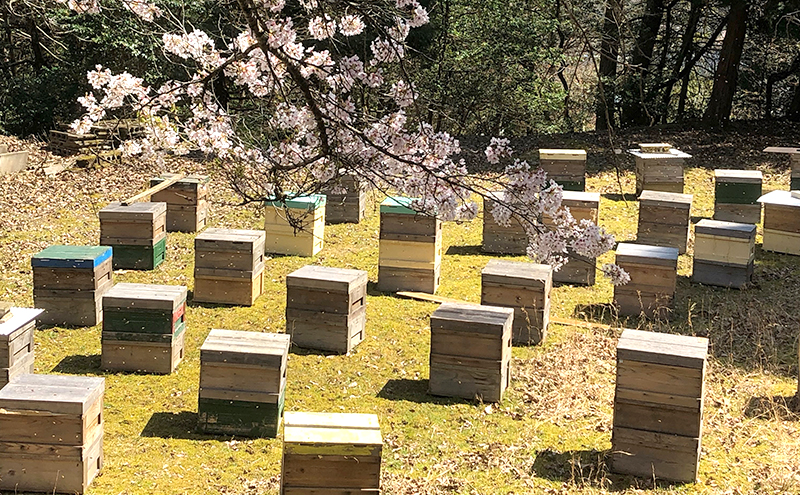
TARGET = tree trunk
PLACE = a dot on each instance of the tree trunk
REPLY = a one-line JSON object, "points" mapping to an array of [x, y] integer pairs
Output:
{"points": [[609, 51], [686, 45], [794, 108], [720, 104], [635, 111]]}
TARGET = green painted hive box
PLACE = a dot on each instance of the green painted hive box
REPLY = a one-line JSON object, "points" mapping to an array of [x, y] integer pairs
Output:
{"points": [[737, 186], [131, 309], [148, 257], [242, 383]]}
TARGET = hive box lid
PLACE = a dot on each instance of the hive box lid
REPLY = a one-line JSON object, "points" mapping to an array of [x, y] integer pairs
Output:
{"points": [[326, 278], [584, 199], [19, 318], [739, 176], [781, 149], [517, 273], [144, 210], [673, 153], [330, 429], [71, 256], [310, 202], [553, 154], [398, 204], [782, 198], [230, 235], [472, 318], [726, 229], [145, 296], [240, 347], [191, 179], [661, 198], [63, 394], [657, 255], [662, 348]]}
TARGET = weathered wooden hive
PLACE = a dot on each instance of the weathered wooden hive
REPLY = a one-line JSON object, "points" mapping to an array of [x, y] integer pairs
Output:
{"points": [[346, 200], [659, 167], [658, 405], [524, 287], [295, 226], [326, 308], [51, 433], [229, 266], [498, 238], [665, 219], [794, 164], [654, 273], [331, 453], [410, 254], [736, 194], [470, 351], [242, 383], [69, 283], [566, 167], [17, 328], [724, 253], [143, 328], [781, 222], [583, 206], [187, 204], [137, 232]]}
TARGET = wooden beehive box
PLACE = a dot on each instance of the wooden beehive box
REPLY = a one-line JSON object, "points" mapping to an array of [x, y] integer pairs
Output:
{"points": [[17, 329], [137, 232], [143, 327], [229, 266], [242, 382], [470, 351], [658, 405], [69, 282], [724, 253], [525, 287], [794, 164], [659, 167], [187, 207], [583, 206], [51, 433], [499, 238], [346, 200], [410, 248], [326, 307], [295, 226], [664, 219], [331, 453], [736, 194], [654, 272], [781, 222], [566, 167]]}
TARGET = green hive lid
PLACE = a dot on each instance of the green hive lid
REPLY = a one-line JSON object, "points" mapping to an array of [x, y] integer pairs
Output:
{"points": [[398, 204], [310, 202], [71, 256]]}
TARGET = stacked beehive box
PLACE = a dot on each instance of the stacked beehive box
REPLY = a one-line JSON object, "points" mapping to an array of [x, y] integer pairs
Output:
{"points": [[346, 201], [654, 273], [724, 253], [17, 327], [326, 307], [51, 433], [331, 454], [242, 382], [781, 222], [229, 266], [658, 405], [665, 219], [137, 232], [295, 226], [524, 287], [736, 194], [69, 283], [187, 207], [498, 238], [410, 255], [580, 269], [794, 164], [566, 167], [143, 328], [470, 351], [659, 167]]}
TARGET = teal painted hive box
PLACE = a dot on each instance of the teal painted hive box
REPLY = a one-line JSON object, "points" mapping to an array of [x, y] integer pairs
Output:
{"points": [[736, 194], [242, 383], [296, 226], [143, 328], [69, 282]]}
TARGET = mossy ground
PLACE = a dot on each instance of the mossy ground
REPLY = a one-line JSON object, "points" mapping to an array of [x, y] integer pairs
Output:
{"points": [[552, 430]]}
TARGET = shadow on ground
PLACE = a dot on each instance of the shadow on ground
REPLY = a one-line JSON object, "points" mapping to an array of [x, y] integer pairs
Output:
{"points": [[79, 364], [415, 391], [181, 425], [772, 408]]}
